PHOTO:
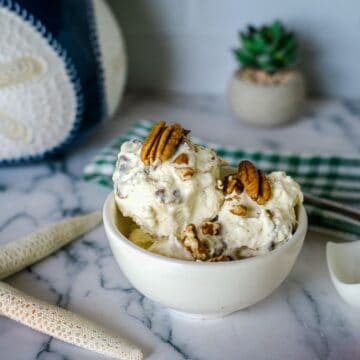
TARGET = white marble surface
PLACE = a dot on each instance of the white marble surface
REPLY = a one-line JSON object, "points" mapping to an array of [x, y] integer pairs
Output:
{"points": [[303, 319]]}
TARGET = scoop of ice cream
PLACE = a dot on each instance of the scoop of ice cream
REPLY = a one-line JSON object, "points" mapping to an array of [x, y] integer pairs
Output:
{"points": [[164, 197], [257, 229], [244, 228]]}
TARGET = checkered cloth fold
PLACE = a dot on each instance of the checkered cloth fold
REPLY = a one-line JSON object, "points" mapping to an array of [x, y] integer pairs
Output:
{"points": [[329, 176]]}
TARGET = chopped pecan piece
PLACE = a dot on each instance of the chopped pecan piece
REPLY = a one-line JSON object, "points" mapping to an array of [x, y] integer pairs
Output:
{"points": [[210, 228], [239, 210], [255, 182], [192, 243], [219, 184], [181, 159], [161, 142], [270, 214], [185, 173], [231, 183]]}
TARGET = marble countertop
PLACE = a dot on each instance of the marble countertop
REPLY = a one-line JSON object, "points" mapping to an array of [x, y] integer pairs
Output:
{"points": [[303, 319]]}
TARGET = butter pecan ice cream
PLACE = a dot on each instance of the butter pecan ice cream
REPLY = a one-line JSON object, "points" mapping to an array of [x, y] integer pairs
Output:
{"points": [[164, 196], [184, 207], [251, 228]]}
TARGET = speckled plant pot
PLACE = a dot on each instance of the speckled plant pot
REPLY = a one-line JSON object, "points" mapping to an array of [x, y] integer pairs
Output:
{"points": [[266, 105]]}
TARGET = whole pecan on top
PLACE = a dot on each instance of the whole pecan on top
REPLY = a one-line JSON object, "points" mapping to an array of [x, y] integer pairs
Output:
{"points": [[161, 142], [255, 182]]}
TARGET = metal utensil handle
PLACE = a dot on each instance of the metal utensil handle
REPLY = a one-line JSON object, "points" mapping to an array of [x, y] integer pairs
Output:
{"points": [[334, 206]]}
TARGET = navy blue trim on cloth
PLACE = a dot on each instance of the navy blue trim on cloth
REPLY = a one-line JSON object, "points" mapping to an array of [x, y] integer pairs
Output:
{"points": [[70, 29]]}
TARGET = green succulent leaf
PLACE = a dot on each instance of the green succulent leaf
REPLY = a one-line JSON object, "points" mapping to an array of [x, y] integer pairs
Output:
{"points": [[265, 61], [290, 43], [292, 59], [249, 44], [244, 57], [270, 47], [276, 29], [259, 42], [276, 33], [279, 55]]}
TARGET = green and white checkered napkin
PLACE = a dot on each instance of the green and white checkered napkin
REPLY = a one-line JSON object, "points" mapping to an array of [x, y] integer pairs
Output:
{"points": [[332, 177]]}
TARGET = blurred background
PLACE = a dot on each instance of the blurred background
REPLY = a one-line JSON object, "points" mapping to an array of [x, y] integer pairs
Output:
{"points": [[235, 63], [184, 46]]}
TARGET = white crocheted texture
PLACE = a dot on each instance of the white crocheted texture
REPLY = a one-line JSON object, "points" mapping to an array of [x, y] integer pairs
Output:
{"points": [[37, 97], [63, 324], [113, 53]]}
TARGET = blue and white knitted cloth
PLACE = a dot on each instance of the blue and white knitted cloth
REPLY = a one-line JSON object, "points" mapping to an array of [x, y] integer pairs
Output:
{"points": [[57, 79]]}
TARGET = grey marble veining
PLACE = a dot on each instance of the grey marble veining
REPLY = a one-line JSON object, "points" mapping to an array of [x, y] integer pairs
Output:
{"points": [[303, 319]]}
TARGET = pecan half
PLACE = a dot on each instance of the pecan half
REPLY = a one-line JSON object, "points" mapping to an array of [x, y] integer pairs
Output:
{"points": [[171, 142], [161, 142], [192, 243], [210, 228], [249, 176], [239, 210], [150, 141], [181, 159], [255, 182]]}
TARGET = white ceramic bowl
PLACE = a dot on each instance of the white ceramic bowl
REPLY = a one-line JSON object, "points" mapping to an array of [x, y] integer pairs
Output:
{"points": [[205, 290]]}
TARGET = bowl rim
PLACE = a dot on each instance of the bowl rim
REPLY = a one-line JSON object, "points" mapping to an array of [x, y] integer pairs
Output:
{"points": [[109, 225]]}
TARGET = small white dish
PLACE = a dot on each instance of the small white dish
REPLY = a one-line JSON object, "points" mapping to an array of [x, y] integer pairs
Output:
{"points": [[343, 262], [204, 290]]}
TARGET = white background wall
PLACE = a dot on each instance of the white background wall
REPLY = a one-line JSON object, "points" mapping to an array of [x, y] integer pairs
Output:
{"points": [[184, 45]]}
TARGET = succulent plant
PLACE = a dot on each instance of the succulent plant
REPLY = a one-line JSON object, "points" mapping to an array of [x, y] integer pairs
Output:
{"points": [[270, 48]]}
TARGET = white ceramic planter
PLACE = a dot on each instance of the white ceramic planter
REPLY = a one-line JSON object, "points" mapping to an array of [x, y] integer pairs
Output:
{"points": [[266, 105], [204, 290]]}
